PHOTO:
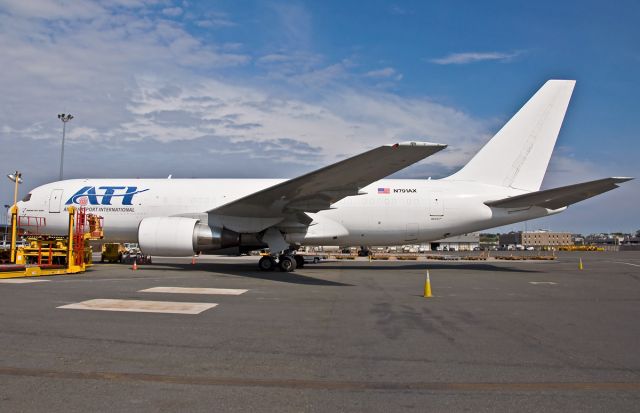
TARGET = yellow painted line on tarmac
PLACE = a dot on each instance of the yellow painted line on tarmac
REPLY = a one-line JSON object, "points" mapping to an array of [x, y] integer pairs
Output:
{"points": [[140, 306], [183, 290], [22, 281]]}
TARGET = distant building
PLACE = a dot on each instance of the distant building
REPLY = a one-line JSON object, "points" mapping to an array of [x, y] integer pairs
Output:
{"points": [[631, 240], [578, 239], [630, 243], [604, 239], [536, 239]]}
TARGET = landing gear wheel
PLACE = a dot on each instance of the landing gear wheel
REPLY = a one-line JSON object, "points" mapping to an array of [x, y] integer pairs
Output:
{"points": [[287, 263], [299, 261], [267, 263]]}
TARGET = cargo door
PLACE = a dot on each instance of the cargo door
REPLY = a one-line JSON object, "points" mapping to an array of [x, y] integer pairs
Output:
{"points": [[55, 200], [436, 205]]}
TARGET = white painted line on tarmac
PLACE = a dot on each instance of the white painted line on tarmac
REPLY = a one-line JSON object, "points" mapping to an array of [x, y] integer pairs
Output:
{"points": [[542, 282], [626, 263], [21, 281], [182, 290], [141, 306]]}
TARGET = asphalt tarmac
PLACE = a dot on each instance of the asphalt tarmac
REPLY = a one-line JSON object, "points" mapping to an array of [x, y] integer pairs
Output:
{"points": [[336, 336]]}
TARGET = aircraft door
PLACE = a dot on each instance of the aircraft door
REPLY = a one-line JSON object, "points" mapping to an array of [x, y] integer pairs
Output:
{"points": [[436, 205], [413, 229], [55, 200]]}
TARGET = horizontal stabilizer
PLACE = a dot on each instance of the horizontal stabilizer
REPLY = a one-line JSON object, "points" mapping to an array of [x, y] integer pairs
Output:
{"points": [[559, 197]]}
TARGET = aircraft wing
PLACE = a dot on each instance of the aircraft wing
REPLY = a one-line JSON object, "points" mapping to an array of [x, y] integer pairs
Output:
{"points": [[319, 189], [559, 197]]}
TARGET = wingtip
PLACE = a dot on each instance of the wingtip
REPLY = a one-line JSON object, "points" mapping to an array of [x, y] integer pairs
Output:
{"points": [[417, 143], [621, 179]]}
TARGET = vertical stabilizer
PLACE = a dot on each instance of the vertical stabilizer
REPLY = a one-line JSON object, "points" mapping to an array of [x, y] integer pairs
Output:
{"points": [[518, 155]]}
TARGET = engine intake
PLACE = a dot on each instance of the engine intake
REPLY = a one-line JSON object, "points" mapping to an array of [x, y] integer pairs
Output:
{"points": [[180, 237]]}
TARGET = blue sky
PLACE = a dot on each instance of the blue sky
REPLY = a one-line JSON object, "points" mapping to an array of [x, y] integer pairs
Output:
{"points": [[274, 88]]}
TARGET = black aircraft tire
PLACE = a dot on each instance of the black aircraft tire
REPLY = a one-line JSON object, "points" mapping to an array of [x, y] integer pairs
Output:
{"points": [[299, 261], [267, 264], [287, 264]]}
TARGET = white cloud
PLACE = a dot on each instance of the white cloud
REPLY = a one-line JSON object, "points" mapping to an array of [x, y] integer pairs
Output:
{"points": [[472, 57], [295, 24], [387, 72], [133, 78], [91, 66], [303, 69], [397, 10], [274, 58], [211, 19], [172, 11], [344, 120], [53, 9]]}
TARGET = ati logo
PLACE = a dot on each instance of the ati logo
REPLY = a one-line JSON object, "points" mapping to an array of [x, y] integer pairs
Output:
{"points": [[104, 194], [402, 190]]}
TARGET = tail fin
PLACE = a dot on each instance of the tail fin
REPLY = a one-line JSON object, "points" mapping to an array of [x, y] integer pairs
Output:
{"points": [[518, 155]]}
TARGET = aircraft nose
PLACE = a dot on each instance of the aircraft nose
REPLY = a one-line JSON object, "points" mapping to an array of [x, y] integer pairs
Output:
{"points": [[21, 205]]}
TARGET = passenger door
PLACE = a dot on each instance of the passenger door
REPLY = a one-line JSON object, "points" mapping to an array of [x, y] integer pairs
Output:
{"points": [[55, 200]]}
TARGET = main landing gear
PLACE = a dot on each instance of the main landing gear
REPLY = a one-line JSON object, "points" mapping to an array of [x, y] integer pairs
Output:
{"points": [[286, 262]]}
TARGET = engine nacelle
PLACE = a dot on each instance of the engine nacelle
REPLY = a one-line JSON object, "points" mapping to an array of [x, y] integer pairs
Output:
{"points": [[181, 237]]}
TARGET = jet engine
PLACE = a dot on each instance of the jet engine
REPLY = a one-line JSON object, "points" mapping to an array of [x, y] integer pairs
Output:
{"points": [[181, 237]]}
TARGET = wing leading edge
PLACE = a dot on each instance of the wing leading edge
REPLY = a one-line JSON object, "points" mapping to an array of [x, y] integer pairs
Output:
{"points": [[319, 189], [560, 197]]}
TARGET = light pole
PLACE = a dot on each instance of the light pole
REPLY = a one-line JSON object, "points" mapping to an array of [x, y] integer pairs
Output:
{"points": [[17, 178], [64, 118], [6, 222]]}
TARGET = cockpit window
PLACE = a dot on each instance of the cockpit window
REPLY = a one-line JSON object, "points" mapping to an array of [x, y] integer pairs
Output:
{"points": [[26, 198]]}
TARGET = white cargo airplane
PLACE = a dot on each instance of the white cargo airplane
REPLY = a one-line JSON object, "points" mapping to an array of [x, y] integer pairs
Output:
{"points": [[347, 203]]}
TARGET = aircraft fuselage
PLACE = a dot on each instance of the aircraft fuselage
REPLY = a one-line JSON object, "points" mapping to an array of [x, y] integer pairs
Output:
{"points": [[389, 211]]}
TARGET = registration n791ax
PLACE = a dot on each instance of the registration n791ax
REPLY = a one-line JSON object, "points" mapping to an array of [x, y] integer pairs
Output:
{"points": [[347, 203]]}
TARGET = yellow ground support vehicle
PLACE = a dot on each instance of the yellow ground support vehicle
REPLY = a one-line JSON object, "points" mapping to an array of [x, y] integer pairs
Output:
{"points": [[112, 252], [580, 248], [44, 254]]}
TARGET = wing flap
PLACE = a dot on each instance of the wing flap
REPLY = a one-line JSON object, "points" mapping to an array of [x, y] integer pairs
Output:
{"points": [[559, 197], [319, 189]]}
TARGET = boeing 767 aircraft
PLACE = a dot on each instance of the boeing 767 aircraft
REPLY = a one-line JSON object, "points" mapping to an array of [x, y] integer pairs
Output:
{"points": [[347, 203]]}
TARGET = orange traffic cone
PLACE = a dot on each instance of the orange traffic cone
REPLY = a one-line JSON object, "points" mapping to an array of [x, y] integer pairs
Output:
{"points": [[135, 265], [193, 260], [427, 287]]}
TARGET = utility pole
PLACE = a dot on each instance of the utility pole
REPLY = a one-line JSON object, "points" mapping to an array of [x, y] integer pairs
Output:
{"points": [[64, 118], [17, 178]]}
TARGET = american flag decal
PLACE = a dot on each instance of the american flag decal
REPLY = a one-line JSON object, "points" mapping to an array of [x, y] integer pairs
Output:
{"points": [[383, 190]]}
